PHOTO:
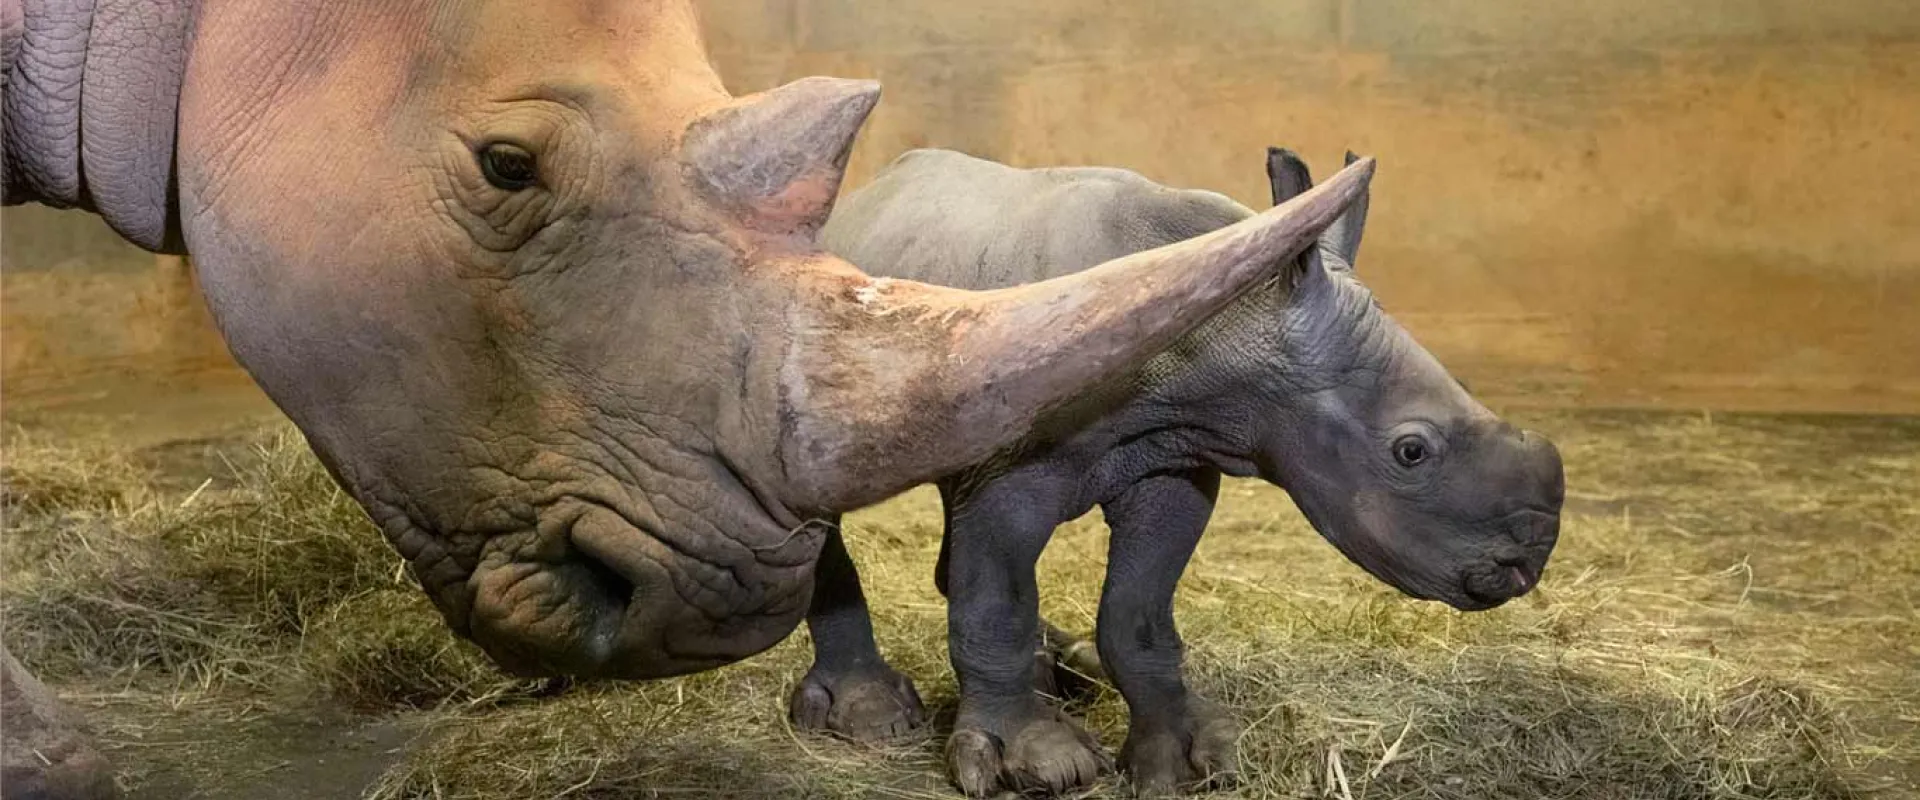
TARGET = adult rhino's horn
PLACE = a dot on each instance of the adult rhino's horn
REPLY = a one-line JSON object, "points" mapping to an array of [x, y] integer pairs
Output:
{"points": [[891, 383], [775, 159]]}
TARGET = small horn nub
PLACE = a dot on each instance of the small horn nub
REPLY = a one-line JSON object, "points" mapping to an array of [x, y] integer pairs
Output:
{"points": [[776, 158]]}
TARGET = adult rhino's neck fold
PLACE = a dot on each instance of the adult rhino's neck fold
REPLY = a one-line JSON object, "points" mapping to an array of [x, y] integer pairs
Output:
{"points": [[90, 98]]}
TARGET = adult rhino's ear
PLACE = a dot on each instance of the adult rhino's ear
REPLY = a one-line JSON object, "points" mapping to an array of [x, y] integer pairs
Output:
{"points": [[1343, 238], [776, 158], [1287, 175]]}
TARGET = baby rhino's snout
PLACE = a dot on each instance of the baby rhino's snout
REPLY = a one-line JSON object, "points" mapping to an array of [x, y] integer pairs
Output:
{"points": [[1543, 461], [1532, 479], [1536, 533]]}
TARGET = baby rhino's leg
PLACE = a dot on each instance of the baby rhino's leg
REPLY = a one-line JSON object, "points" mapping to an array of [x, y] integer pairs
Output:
{"points": [[1064, 666], [1006, 737], [1175, 740], [851, 690]]}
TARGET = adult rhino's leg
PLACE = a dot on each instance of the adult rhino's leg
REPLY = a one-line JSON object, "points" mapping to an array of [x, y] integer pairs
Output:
{"points": [[44, 753], [1007, 736], [1064, 665], [1175, 740], [851, 690]]}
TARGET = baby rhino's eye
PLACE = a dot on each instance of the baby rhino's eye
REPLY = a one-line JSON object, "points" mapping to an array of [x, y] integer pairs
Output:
{"points": [[1409, 451], [507, 167]]}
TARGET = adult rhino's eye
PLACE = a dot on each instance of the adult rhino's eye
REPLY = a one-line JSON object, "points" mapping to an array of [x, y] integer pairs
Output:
{"points": [[508, 167], [1410, 451]]}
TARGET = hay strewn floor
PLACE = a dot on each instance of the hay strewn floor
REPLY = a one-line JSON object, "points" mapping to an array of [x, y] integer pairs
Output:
{"points": [[1732, 614]]}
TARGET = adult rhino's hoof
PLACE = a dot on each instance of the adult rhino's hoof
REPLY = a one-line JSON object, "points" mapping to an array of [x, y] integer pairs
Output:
{"points": [[44, 752], [872, 705], [1180, 752], [1037, 752]]}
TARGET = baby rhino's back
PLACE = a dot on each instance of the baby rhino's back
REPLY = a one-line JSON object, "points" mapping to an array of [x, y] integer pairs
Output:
{"points": [[947, 218]]}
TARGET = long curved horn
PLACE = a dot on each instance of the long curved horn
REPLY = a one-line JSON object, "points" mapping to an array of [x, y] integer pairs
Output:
{"points": [[891, 383]]}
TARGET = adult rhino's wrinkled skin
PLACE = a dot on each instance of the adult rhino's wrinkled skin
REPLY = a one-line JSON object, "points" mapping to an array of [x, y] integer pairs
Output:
{"points": [[1304, 382], [546, 299]]}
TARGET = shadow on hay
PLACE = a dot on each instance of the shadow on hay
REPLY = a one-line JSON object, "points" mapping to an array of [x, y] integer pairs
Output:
{"points": [[1498, 724]]}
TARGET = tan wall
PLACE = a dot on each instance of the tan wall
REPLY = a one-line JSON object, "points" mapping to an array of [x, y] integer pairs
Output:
{"points": [[1711, 203], [83, 313]]}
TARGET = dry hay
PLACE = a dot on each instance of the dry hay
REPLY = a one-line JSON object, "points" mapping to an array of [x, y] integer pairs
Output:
{"points": [[1731, 615], [241, 581]]}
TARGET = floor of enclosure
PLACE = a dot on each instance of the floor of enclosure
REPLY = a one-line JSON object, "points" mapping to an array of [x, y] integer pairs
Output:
{"points": [[1782, 547]]}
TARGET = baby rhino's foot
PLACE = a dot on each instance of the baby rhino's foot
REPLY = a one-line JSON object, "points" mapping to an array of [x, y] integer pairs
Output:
{"points": [[1066, 667], [1185, 750], [868, 705], [1034, 749]]}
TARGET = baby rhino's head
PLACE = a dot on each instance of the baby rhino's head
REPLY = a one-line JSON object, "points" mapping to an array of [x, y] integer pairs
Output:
{"points": [[1386, 454]]}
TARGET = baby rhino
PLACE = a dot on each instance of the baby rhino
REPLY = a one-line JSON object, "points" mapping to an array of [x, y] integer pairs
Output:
{"points": [[1304, 382]]}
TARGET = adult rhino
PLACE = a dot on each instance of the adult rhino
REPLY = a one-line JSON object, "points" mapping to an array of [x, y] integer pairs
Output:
{"points": [[1304, 382], [546, 299]]}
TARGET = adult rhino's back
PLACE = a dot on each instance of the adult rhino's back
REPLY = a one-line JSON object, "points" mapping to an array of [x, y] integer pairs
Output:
{"points": [[948, 218]]}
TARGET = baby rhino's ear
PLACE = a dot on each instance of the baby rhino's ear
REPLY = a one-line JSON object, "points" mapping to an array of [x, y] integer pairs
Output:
{"points": [[1343, 237], [1287, 175]]}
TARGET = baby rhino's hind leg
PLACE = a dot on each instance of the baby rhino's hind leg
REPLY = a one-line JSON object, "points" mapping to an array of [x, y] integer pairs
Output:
{"points": [[1175, 740]]}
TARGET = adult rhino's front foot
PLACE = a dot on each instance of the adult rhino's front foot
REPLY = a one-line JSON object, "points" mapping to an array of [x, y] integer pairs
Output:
{"points": [[873, 704], [45, 752], [1033, 749], [1188, 749]]}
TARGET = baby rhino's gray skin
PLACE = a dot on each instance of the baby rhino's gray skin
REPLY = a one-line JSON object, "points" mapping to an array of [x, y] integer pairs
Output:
{"points": [[1304, 382]]}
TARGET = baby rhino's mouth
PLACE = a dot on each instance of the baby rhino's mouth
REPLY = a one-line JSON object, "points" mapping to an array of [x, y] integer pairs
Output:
{"points": [[1495, 584]]}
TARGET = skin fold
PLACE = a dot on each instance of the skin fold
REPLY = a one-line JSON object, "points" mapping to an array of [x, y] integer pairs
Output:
{"points": [[1304, 382]]}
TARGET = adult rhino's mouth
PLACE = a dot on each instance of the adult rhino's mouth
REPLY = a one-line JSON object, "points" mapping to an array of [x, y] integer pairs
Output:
{"points": [[589, 591]]}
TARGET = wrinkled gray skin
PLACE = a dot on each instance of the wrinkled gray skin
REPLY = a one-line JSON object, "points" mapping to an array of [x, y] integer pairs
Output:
{"points": [[1305, 383], [548, 301]]}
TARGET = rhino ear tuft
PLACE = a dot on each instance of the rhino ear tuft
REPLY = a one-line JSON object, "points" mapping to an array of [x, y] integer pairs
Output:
{"points": [[776, 158], [1287, 175], [1343, 237]]}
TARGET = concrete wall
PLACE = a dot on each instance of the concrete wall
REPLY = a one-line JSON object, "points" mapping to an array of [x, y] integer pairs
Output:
{"points": [[1708, 203]]}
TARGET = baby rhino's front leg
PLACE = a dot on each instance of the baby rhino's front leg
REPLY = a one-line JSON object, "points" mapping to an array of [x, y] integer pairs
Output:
{"points": [[850, 691], [1006, 737], [1175, 740]]}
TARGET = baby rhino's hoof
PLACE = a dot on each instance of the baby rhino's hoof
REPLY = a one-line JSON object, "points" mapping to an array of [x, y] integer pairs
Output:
{"points": [[873, 705], [1042, 753], [1174, 753]]}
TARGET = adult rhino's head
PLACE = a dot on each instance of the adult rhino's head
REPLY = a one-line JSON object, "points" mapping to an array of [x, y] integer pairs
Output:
{"points": [[545, 298], [1385, 453]]}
